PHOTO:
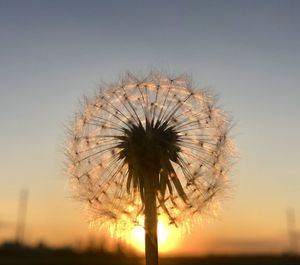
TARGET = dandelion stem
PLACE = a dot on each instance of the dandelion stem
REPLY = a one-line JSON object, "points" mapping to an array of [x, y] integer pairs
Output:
{"points": [[151, 247]]}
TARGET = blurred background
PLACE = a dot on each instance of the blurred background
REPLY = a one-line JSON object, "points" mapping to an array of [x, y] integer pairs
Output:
{"points": [[247, 52]]}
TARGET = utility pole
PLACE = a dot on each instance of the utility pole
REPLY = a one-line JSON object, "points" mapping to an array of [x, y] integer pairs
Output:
{"points": [[292, 232], [21, 219]]}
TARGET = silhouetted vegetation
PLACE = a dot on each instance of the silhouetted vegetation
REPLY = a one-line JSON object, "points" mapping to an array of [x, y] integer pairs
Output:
{"points": [[12, 253], [234, 260], [16, 254]]}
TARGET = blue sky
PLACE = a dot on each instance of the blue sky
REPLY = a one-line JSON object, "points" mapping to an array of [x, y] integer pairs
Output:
{"points": [[248, 52]]}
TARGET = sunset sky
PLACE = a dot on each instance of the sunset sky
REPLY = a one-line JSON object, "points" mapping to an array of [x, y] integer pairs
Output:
{"points": [[248, 52]]}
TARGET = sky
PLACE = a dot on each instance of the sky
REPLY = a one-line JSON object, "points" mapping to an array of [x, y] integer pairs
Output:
{"points": [[247, 52]]}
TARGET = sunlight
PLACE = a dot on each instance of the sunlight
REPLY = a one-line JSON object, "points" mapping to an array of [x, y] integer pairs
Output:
{"points": [[167, 236]]}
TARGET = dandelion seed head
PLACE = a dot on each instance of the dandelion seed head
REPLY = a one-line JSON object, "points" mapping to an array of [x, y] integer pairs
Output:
{"points": [[153, 130]]}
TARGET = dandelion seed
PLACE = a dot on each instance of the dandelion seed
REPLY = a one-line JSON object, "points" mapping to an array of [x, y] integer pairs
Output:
{"points": [[148, 147]]}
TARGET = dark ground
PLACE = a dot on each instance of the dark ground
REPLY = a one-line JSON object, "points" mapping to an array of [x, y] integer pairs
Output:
{"points": [[14, 254]]}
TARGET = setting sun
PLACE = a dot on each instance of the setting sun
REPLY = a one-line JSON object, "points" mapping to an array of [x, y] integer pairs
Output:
{"points": [[168, 236]]}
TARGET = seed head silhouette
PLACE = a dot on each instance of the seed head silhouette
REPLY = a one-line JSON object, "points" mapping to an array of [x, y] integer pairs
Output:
{"points": [[147, 147]]}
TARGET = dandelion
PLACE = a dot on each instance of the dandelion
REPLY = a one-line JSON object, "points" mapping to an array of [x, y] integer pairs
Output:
{"points": [[149, 147]]}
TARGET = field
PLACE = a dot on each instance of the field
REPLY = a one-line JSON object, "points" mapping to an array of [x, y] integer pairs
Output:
{"points": [[13, 254]]}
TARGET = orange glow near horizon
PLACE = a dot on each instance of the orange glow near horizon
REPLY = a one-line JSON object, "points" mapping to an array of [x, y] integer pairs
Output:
{"points": [[167, 237]]}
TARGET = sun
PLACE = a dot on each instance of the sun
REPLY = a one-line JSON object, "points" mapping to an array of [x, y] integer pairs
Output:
{"points": [[167, 236]]}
